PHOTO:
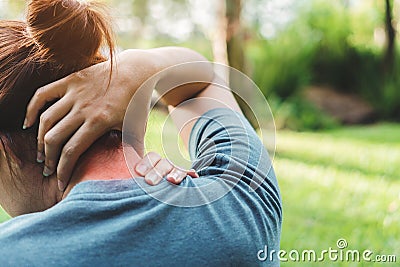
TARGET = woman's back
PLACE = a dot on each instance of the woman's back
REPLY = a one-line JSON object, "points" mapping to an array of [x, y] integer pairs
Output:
{"points": [[127, 222]]}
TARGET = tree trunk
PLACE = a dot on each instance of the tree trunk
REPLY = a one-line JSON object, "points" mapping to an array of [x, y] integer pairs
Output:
{"points": [[391, 35], [234, 37], [220, 52], [228, 49], [236, 57], [227, 39]]}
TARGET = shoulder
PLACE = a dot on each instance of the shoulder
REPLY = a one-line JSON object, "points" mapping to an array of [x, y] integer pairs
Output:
{"points": [[21, 225]]}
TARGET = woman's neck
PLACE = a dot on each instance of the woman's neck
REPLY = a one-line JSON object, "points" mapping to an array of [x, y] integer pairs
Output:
{"points": [[103, 165]]}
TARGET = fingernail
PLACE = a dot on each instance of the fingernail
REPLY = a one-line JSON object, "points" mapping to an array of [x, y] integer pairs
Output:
{"points": [[25, 124], [153, 179], [40, 157], [172, 176], [141, 168], [47, 171], [61, 185], [193, 173]]}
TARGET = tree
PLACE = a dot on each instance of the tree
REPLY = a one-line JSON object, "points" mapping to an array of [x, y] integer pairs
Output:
{"points": [[391, 37], [219, 35], [234, 35], [228, 37], [236, 56]]}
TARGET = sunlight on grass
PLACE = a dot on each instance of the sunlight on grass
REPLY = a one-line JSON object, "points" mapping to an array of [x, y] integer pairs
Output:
{"points": [[361, 156], [335, 185], [382, 133]]}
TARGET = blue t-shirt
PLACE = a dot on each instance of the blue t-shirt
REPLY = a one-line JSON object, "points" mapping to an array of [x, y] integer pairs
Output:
{"points": [[223, 218]]}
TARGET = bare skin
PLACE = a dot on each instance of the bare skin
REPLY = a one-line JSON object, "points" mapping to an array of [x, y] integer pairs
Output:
{"points": [[98, 113], [87, 114]]}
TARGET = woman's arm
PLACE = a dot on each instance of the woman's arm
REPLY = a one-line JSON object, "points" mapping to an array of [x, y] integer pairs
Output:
{"points": [[89, 104], [216, 95], [173, 61]]}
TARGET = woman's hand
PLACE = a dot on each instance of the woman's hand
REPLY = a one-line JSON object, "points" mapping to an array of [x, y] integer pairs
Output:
{"points": [[88, 105], [91, 103], [153, 168]]}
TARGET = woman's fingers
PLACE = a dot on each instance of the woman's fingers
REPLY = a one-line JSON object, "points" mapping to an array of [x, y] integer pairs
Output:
{"points": [[154, 168], [155, 175], [147, 163], [55, 138], [47, 120], [42, 96], [192, 173], [176, 176], [82, 139]]}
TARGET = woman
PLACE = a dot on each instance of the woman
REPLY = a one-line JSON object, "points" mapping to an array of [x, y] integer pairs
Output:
{"points": [[101, 215]]}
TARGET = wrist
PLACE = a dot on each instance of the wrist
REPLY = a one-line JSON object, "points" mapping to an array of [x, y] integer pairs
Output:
{"points": [[139, 61], [135, 66]]}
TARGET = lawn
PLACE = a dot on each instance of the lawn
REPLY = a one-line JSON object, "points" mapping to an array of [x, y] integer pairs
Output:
{"points": [[342, 183]]}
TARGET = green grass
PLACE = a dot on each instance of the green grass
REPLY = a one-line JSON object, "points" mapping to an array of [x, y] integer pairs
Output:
{"points": [[342, 183], [3, 215]]}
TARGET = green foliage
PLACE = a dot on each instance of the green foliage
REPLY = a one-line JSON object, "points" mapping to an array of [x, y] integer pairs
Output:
{"points": [[286, 63], [297, 114], [279, 66], [331, 23], [389, 102], [328, 45]]}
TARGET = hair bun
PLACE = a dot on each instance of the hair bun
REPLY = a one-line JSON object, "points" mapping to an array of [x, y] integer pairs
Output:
{"points": [[69, 32]]}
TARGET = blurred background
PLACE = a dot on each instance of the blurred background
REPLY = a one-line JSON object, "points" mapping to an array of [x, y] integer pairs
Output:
{"points": [[329, 70]]}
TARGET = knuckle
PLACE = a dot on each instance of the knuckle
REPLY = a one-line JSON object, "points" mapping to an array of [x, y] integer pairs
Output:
{"points": [[49, 140], [151, 173], [85, 105], [45, 119], [69, 151], [40, 93], [164, 165], [103, 117], [165, 162]]}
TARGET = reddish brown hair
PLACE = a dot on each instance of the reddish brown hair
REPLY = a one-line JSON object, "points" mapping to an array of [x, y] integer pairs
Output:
{"points": [[59, 37]]}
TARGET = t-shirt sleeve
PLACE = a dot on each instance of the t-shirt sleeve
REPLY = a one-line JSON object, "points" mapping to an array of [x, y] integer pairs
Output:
{"points": [[224, 145]]}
